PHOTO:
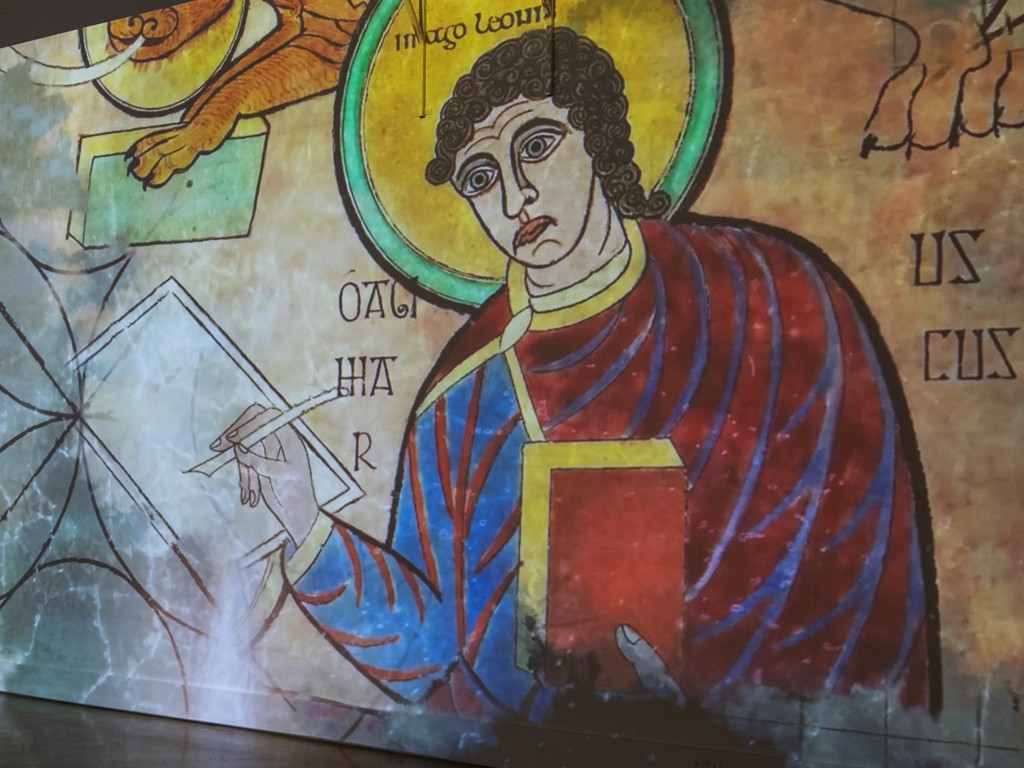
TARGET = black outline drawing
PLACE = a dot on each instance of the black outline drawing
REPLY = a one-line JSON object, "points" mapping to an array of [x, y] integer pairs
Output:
{"points": [[992, 24], [88, 448]]}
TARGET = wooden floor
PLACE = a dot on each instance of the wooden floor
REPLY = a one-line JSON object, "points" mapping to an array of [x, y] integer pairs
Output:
{"points": [[44, 734]]}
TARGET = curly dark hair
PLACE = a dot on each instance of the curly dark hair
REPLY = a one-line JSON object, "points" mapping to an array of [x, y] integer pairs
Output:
{"points": [[575, 74]]}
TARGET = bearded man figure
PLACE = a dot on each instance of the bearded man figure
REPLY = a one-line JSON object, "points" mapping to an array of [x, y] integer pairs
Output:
{"points": [[675, 453]]}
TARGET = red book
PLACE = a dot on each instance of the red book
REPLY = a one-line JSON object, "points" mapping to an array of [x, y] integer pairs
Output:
{"points": [[602, 545]]}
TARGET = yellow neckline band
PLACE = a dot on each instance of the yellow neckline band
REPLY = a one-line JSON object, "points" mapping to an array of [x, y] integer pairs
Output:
{"points": [[592, 295]]}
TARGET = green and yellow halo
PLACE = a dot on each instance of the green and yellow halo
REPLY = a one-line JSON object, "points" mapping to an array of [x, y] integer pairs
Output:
{"points": [[427, 236]]}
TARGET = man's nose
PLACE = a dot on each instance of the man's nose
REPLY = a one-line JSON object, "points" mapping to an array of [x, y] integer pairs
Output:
{"points": [[518, 194]]}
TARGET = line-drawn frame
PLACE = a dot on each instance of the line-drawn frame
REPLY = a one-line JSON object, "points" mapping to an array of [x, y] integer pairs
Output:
{"points": [[172, 290]]}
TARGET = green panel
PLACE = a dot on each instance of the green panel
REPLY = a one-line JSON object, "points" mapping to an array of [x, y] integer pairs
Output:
{"points": [[216, 198]]}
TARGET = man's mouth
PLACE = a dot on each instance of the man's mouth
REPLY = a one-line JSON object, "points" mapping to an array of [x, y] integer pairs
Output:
{"points": [[531, 230]]}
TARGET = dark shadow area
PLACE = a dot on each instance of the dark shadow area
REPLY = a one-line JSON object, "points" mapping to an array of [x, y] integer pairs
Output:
{"points": [[586, 730], [24, 20], [43, 734]]}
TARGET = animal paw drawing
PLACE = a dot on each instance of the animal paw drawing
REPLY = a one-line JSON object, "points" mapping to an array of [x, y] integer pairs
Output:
{"points": [[959, 79], [158, 156], [300, 58]]}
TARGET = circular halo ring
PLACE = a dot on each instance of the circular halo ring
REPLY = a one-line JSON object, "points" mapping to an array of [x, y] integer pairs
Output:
{"points": [[389, 242], [166, 85]]}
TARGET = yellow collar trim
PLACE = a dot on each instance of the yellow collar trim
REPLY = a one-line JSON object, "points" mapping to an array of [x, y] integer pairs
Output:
{"points": [[591, 296], [589, 286]]}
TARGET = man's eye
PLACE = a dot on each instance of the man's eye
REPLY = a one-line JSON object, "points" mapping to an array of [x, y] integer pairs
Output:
{"points": [[539, 145], [477, 180]]}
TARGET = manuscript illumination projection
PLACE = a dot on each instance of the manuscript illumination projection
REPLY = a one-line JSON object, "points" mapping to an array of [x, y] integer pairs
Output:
{"points": [[520, 383]]}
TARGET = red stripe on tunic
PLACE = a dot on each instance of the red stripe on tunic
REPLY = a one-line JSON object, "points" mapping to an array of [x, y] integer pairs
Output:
{"points": [[504, 534], [426, 548], [400, 676], [476, 637], [444, 462], [321, 598], [385, 574], [357, 568], [358, 641], [460, 518], [466, 453], [410, 579], [485, 464]]}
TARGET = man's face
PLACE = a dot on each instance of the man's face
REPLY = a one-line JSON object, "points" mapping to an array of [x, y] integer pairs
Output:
{"points": [[529, 179]]}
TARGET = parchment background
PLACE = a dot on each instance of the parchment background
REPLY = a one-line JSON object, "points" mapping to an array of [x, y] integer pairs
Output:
{"points": [[806, 74]]}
